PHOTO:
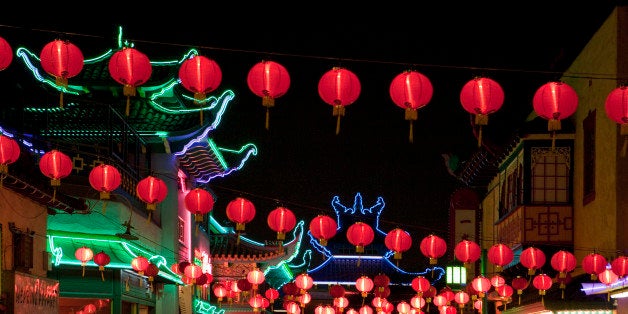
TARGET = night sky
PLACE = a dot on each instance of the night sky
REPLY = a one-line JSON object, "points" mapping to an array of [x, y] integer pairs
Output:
{"points": [[302, 163]]}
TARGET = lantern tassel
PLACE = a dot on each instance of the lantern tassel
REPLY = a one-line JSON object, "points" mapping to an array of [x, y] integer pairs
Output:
{"points": [[201, 116], [624, 147], [104, 207], [338, 125], [83, 269], [102, 275], [127, 111], [411, 138], [149, 214], [54, 194], [267, 117], [61, 100], [553, 140], [480, 136], [196, 230]]}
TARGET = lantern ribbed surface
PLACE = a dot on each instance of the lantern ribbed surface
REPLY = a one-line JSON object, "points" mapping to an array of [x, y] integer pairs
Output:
{"points": [[593, 264], [55, 165], [281, 220], [61, 59], [500, 255], [151, 190], [323, 228], [9, 150], [200, 75], [360, 234], [105, 178], [241, 211], [339, 87], [199, 201], [411, 90], [268, 79], [532, 258], [481, 95], [398, 240], [616, 105], [542, 282], [130, 66], [555, 101], [563, 262], [6, 54], [434, 247], [467, 251]]}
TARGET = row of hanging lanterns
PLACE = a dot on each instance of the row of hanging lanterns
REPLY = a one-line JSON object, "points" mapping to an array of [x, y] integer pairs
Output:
{"points": [[338, 87]]}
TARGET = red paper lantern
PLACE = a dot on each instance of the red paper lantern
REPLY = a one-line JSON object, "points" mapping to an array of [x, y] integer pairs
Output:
{"points": [[244, 284], [272, 294], [199, 202], [434, 247], [563, 262], [440, 300], [608, 277], [403, 307], [181, 267], [411, 90], [364, 284], [151, 271], [290, 289], [139, 264], [420, 284], [497, 281], [268, 80], [339, 88], [593, 264], [382, 292], [532, 258], [461, 298], [256, 277], [281, 220], [303, 282], [152, 191], [219, 291], [200, 75], [360, 235], [104, 179], [9, 152], [555, 101], [323, 228], [620, 266], [380, 281], [256, 302], [542, 282], [616, 107], [56, 166], [398, 241], [519, 283], [504, 291], [6, 54], [337, 291], [84, 254], [193, 271], [102, 259], [241, 211], [500, 255], [467, 252], [481, 284], [417, 302], [480, 97], [204, 279], [340, 303], [63, 60], [131, 68]]}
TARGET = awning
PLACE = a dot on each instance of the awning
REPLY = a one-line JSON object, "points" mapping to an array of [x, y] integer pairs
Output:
{"points": [[63, 244]]}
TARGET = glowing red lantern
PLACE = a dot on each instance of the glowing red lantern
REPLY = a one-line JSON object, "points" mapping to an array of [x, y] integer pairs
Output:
{"points": [[255, 277], [6, 54], [244, 285], [339, 88], [364, 284], [593, 264], [608, 277], [323, 228], [616, 106], [497, 281], [56, 166], [193, 271], [281, 220], [131, 68], [84, 254], [504, 291], [200, 75], [542, 282], [199, 202], [403, 307], [102, 259], [532, 258], [204, 279], [555, 101], [151, 271], [433, 246], [398, 241], [340, 303], [104, 179], [381, 281], [63, 60], [9, 153], [500, 255], [303, 282], [152, 191], [563, 262], [241, 211], [256, 302], [219, 291], [269, 80], [292, 307], [417, 302], [420, 284], [440, 300], [462, 298], [378, 303], [181, 267], [481, 284], [411, 90], [139, 264], [480, 97], [360, 235], [467, 252], [620, 266], [272, 294]]}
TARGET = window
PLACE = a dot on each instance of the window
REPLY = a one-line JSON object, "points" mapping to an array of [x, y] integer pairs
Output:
{"points": [[550, 175], [588, 127]]}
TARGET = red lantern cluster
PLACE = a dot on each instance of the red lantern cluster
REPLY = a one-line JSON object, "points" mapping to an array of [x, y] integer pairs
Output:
{"points": [[268, 80], [339, 87]]}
